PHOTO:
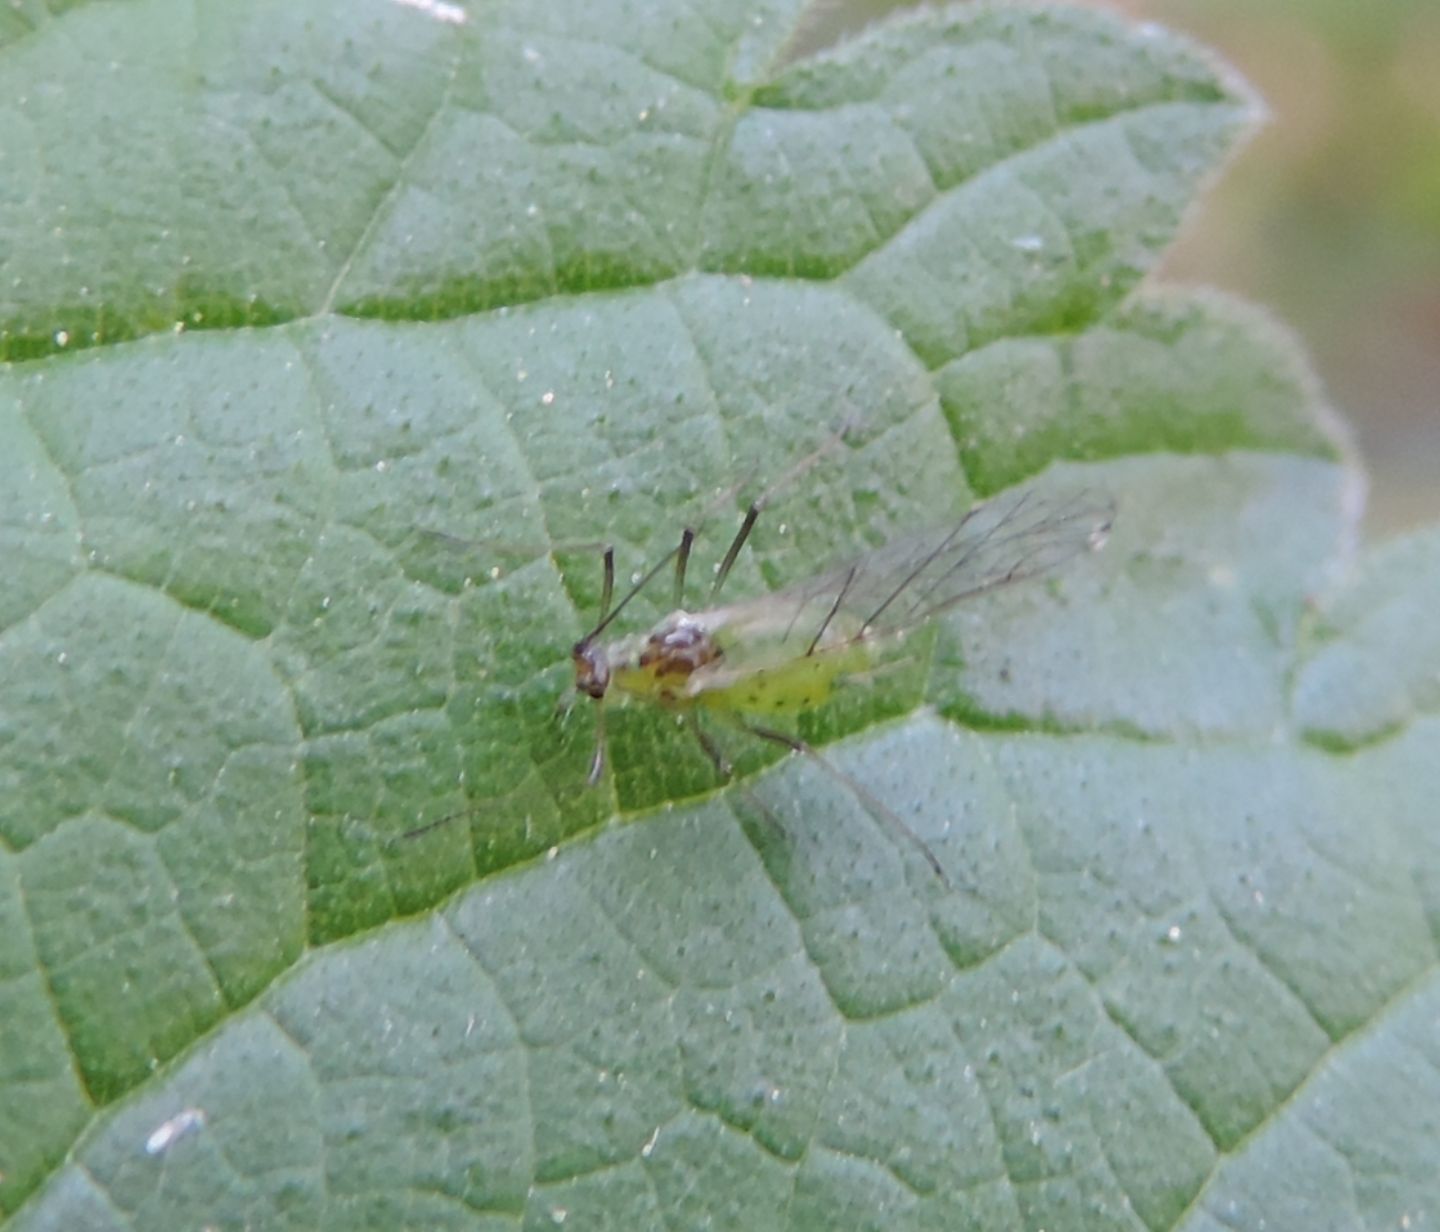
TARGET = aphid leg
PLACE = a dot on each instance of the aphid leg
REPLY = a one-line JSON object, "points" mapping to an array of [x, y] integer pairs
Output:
{"points": [[757, 506], [872, 803], [564, 706], [431, 825], [736, 544], [682, 559], [726, 771], [712, 750], [597, 762], [772, 822], [607, 591], [834, 607]]}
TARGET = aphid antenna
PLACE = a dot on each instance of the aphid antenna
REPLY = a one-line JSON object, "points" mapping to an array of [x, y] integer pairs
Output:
{"points": [[681, 555], [532, 550], [608, 617], [607, 589], [682, 559], [757, 506], [733, 551], [597, 759]]}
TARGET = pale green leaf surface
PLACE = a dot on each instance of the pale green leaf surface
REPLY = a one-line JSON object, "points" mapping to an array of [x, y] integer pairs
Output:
{"points": [[1374, 666], [570, 273]]}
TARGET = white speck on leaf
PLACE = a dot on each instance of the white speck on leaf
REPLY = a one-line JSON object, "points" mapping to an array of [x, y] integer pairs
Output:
{"points": [[450, 14], [169, 1132]]}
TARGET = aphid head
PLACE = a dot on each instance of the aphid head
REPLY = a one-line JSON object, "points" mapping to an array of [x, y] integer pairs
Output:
{"points": [[592, 668]]}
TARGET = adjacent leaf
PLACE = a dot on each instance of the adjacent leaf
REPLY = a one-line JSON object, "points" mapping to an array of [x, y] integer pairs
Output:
{"points": [[337, 331]]}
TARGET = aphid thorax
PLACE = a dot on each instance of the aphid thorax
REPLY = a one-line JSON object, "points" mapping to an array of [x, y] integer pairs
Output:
{"points": [[677, 646]]}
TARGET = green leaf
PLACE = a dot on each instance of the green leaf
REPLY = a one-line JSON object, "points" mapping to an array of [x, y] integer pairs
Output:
{"points": [[335, 332]]}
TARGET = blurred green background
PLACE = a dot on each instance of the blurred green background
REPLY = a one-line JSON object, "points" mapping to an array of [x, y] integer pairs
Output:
{"points": [[1331, 215]]}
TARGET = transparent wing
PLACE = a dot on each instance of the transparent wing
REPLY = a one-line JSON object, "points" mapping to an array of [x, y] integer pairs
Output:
{"points": [[919, 576]]}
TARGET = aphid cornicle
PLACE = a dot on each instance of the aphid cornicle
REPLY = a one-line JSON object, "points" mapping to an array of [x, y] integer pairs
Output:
{"points": [[786, 652]]}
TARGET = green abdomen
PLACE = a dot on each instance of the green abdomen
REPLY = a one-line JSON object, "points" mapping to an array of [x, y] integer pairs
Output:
{"points": [[790, 688]]}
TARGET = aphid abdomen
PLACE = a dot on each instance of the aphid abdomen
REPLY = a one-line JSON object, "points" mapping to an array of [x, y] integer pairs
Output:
{"points": [[788, 688]]}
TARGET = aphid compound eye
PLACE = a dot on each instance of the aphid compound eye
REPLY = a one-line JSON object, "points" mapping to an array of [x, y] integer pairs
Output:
{"points": [[592, 669]]}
